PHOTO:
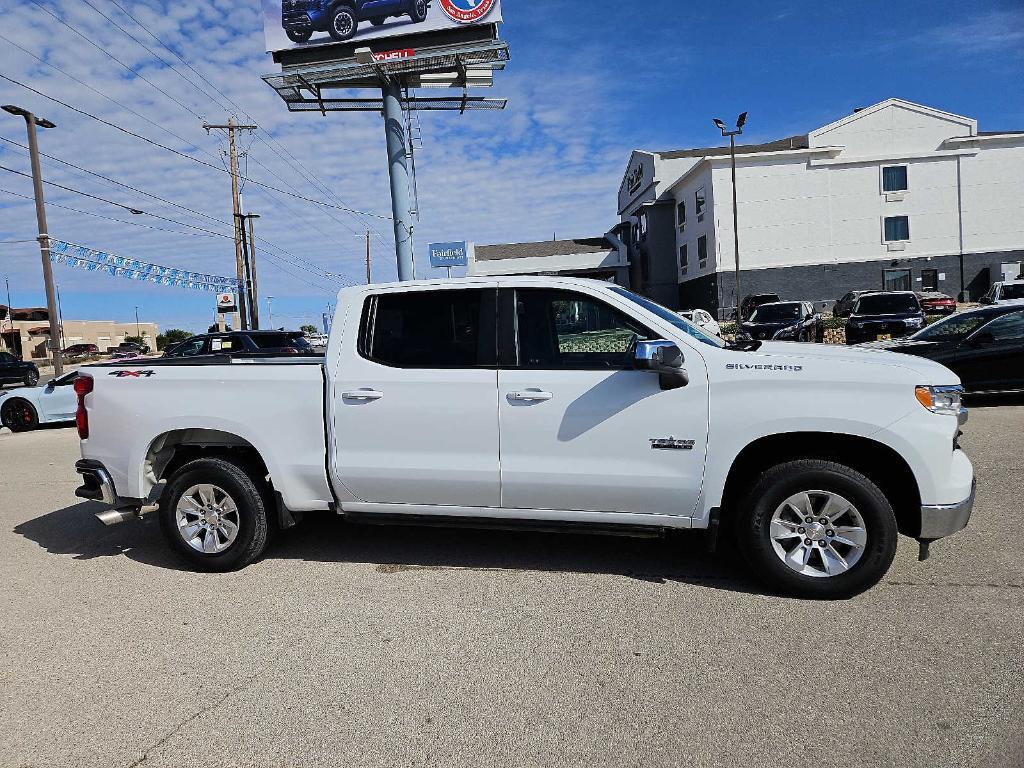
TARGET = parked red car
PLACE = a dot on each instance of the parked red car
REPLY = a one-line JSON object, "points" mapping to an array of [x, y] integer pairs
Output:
{"points": [[934, 303]]}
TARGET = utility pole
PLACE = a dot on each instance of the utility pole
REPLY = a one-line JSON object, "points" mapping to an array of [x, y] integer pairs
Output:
{"points": [[369, 275], [138, 332], [236, 208], [31, 121]]}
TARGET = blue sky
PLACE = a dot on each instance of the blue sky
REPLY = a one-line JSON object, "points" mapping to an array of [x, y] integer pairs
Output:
{"points": [[588, 82]]}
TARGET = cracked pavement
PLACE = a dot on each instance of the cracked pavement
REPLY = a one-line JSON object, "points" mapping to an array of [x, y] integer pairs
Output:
{"points": [[365, 646]]}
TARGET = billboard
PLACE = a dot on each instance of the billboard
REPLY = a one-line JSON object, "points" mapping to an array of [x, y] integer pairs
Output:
{"points": [[449, 254], [297, 24]]}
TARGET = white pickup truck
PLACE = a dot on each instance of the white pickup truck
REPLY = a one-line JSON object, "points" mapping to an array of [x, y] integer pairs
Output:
{"points": [[539, 402]]}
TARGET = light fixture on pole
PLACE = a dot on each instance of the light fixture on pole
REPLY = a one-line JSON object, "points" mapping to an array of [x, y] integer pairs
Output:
{"points": [[31, 121], [740, 122]]}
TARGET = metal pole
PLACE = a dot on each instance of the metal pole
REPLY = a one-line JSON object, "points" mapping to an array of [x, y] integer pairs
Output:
{"points": [[138, 331], [44, 246], [449, 272], [246, 287], [398, 169], [255, 296], [369, 274], [735, 222], [270, 311], [60, 320]]}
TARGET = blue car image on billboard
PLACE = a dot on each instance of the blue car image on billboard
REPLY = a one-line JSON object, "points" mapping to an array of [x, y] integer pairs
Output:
{"points": [[340, 18]]}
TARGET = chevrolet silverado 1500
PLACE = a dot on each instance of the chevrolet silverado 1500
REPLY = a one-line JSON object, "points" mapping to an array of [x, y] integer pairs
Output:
{"points": [[538, 401]]}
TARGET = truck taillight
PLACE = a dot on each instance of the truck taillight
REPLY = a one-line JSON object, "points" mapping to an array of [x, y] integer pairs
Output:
{"points": [[83, 386]]}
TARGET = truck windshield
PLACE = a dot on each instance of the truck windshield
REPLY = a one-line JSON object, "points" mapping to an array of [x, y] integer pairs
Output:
{"points": [[772, 313], [950, 328], [887, 304], [671, 317]]}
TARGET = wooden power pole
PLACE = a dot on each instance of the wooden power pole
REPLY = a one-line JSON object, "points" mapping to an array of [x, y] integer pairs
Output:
{"points": [[369, 277], [236, 208]]}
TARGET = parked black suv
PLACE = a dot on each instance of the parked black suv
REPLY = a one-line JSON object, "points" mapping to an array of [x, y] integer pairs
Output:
{"points": [[984, 347], [243, 343], [784, 321], [753, 301], [881, 316], [340, 18], [14, 371]]}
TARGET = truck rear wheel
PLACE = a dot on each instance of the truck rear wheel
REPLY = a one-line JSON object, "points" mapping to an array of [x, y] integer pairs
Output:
{"points": [[214, 515], [817, 529]]}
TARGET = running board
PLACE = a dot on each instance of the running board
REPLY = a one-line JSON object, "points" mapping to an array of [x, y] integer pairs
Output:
{"points": [[504, 524]]}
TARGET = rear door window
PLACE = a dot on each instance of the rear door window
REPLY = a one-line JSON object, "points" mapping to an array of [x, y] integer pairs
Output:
{"points": [[431, 329]]}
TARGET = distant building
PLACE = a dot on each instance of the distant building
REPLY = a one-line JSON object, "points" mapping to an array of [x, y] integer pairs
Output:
{"points": [[26, 331], [896, 195], [602, 258]]}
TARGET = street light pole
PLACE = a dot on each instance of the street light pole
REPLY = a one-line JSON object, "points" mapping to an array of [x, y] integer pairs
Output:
{"points": [[138, 332], [740, 122], [31, 121], [270, 311]]}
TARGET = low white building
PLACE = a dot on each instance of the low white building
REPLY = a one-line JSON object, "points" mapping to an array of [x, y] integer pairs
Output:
{"points": [[896, 195]]}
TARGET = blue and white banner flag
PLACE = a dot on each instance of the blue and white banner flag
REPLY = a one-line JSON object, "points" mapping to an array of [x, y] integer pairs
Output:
{"points": [[91, 260]]}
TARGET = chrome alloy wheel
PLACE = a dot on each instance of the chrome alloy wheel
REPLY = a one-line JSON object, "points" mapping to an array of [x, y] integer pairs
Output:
{"points": [[818, 533], [207, 519], [343, 23]]}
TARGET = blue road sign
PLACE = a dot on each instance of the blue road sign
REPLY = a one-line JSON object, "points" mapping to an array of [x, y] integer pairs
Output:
{"points": [[449, 254]]}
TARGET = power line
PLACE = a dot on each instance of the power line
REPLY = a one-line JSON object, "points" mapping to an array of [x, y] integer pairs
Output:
{"points": [[187, 156], [107, 53]]}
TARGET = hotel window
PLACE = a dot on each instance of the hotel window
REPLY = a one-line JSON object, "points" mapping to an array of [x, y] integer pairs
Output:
{"points": [[894, 178], [897, 229], [684, 260], [702, 251], [698, 203], [681, 214]]}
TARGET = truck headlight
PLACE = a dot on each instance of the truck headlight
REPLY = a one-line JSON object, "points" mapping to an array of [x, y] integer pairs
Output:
{"points": [[943, 400], [914, 322]]}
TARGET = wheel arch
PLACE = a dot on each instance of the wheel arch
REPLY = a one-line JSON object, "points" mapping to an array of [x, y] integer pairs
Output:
{"points": [[878, 461]]}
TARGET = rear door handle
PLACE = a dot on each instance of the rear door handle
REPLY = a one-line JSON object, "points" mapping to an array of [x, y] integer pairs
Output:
{"points": [[362, 394], [529, 396]]}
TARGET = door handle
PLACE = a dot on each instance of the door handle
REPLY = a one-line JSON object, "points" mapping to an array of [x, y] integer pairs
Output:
{"points": [[362, 394], [529, 396]]}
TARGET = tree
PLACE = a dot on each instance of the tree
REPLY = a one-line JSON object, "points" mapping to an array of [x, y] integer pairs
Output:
{"points": [[170, 337], [309, 330]]}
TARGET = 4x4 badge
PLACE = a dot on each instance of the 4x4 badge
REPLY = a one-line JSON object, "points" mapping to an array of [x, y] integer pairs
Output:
{"points": [[671, 444], [122, 374]]}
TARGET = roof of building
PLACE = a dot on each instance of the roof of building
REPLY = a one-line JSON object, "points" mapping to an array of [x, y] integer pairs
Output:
{"points": [[543, 248], [779, 145]]}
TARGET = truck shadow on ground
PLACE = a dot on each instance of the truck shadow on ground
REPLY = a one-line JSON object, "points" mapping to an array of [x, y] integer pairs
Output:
{"points": [[396, 549]]}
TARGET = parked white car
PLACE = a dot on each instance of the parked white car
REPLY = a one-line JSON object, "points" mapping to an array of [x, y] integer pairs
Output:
{"points": [[702, 319], [26, 408], [539, 402]]}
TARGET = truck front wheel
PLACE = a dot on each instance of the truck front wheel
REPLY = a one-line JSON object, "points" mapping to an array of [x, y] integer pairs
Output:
{"points": [[817, 529], [418, 11], [297, 36], [214, 515], [344, 23]]}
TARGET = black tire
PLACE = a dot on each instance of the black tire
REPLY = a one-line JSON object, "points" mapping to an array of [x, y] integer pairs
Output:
{"points": [[31, 378], [19, 415], [248, 494], [782, 481], [418, 11], [299, 37], [344, 23], [378, 20]]}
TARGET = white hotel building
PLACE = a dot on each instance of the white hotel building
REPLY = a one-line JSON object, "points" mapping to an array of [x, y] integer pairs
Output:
{"points": [[896, 195]]}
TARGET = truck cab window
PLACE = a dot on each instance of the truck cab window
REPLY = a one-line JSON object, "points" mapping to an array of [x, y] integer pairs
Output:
{"points": [[431, 329], [560, 329]]}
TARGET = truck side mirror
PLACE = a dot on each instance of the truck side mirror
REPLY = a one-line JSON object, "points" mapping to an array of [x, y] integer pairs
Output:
{"points": [[986, 300], [665, 359]]}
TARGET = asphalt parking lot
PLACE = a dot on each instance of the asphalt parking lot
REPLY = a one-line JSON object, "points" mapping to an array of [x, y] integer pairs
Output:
{"points": [[429, 647]]}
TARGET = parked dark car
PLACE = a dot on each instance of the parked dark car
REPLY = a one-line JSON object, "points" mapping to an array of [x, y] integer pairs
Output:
{"points": [[984, 347], [13, 370], [81, 350], [844, 306], [130, 347], [755, 300], [935, 303], [243, 343], [784, 321], [340, 18], [884, 315]]}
